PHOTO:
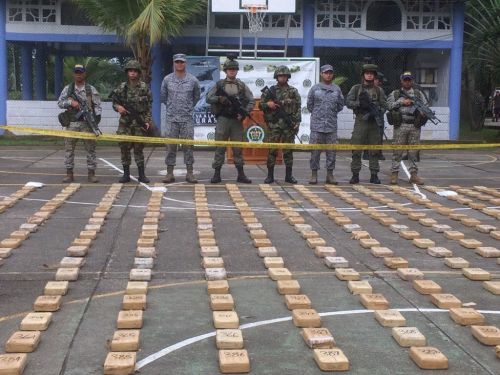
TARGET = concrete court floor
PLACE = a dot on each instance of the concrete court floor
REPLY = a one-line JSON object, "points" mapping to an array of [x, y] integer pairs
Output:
{"points": [[178, 305]]}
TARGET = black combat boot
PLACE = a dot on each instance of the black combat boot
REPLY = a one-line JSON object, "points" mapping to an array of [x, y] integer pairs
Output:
{"points": [[126, 174], [381, 156], [242, 177], [142, 176], [270, 175], [288, 176], [216, 178], [374, 179], [354, 179], [366, 155]]}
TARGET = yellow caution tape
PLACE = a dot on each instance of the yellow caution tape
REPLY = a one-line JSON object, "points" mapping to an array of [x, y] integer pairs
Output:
{"points": [[309, 146]]}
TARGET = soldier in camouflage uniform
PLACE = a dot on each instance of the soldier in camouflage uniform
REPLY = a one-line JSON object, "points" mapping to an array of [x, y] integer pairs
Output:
{"points": [[137, 94], [229, 121], [324, 102], [288, 98], [180, 91], [407, 132], [365, 132], [70, 99]]}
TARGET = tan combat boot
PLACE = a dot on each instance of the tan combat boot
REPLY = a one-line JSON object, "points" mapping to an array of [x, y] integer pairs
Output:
{"points": [[394, 178], [91, 176], [329, 177], [170, 175], [414, 179], [69, 176], [314, 177], [190, 176]]}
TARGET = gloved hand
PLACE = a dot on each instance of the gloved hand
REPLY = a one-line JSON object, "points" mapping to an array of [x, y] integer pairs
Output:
{"points": [[224, 101], [364, 103]]}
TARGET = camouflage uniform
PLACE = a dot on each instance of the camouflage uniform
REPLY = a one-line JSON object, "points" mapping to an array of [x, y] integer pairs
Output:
{"points": [[180, 95], [80, 126], [406, 133], [324, 102], [365, 132], [140, 96], [289, 99], [228, 127]]}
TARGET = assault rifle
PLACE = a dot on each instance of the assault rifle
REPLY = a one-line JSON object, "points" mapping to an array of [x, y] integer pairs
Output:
{"points": [[236, 104], [418, 105], [87, 114], [374, 112], [280, 112], [133, 113]]}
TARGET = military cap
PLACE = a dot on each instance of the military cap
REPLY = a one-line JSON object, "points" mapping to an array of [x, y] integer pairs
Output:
{"points": [[407, 74], [370, 68], [282, 70], [326, 68], [180, 57], [79, 68]]}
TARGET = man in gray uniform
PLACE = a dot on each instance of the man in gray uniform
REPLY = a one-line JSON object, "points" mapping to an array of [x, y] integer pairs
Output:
{"points": [[324, 101], [366, 131], [229, 121], [72, 98], [180, 91]]}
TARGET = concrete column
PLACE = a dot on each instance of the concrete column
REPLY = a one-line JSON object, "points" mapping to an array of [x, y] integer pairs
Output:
{"points": [[4, 94], [58, 75], [455, 83], [308, 26], [157, 70], [41, 72], [27, 70]]}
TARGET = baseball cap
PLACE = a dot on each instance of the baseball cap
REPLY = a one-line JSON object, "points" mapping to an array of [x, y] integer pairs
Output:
{"points": [[406, 75], [79, 67], [180, 57], [326, 68]]}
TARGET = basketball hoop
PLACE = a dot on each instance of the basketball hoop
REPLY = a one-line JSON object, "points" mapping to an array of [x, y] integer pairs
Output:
{"points": [[255, 15]]}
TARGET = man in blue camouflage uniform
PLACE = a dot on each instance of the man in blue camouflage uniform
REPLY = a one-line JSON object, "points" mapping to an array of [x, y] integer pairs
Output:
{"points": [[138, 94], [324, 102], [70, 99], [408, 129], [180, 91], [288, 98]]}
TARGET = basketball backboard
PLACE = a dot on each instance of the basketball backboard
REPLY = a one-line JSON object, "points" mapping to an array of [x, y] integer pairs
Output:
{"points": [[238, 6]]}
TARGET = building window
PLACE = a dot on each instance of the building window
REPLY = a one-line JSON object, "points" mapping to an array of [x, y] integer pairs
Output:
{"points": [[339, 13], [428, 15], [383, 16], [32, 10]]}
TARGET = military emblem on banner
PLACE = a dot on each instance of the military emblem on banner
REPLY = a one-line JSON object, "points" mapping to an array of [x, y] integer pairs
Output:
{"points": [[247, 68], [271, 68], [256, 134], [295, 69], [259, 82], [211, 136], [305, 111], [307, 83], [304, 138]]}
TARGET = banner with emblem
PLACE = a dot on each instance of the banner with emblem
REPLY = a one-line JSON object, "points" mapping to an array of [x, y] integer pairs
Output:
{"points": [[256, 73]]}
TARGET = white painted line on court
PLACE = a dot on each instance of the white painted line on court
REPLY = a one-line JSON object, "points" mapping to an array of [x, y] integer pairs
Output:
{"points": [[153, 357], [415, 187]]}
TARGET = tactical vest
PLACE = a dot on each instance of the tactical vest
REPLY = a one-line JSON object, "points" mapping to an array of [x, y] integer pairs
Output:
{"points": [[71, 112], [395, 118], [380, 92], [290, 107], [216, 108]]}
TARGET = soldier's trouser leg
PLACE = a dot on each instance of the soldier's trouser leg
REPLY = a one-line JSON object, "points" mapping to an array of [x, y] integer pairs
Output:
{"points": [[125, 148], [139, 154], [237, 134], [374, 139], [331, 155], [315, 138], [222, 132], [400, 137], [287, 137], [187, 132], [172, 131], [90, 145], [413, 139], [69, 152], [360, 137], [273, 136]]}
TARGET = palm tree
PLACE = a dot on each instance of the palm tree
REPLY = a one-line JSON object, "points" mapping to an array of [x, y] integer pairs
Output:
{"points": [[142, 23]]}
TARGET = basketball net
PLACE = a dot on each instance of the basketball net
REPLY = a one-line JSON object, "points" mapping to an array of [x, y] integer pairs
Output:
{"points": [[255, 16]]}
